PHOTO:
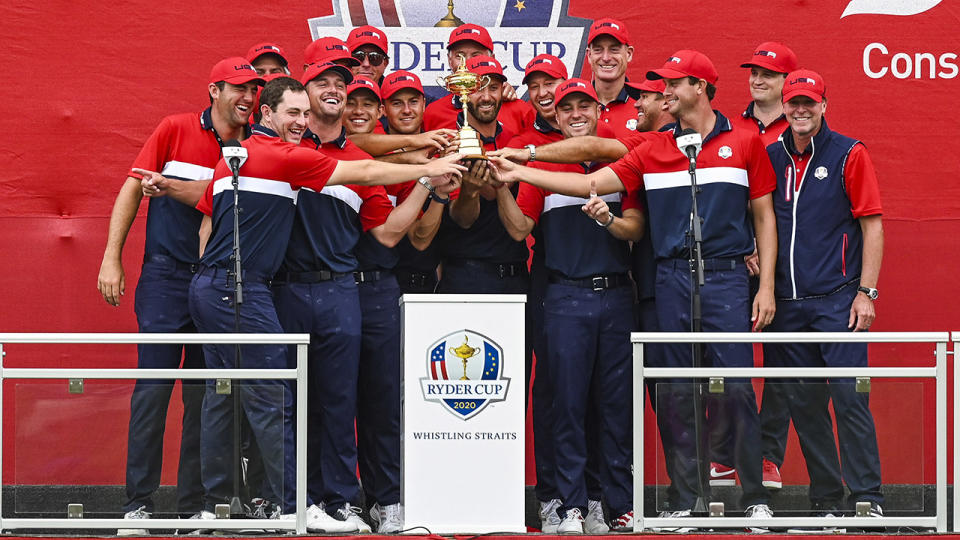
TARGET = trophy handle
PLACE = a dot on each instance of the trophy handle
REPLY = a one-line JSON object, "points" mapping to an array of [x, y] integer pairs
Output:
{"points": [[485, 82]]}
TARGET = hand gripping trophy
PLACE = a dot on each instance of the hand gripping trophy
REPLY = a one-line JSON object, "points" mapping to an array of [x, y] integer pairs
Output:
{"points": [[463, 83]]}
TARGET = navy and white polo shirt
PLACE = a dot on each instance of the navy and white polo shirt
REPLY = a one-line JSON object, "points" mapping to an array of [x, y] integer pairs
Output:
{"points": [[184, 147], [732, 168], [269, 184], [574, 245], [329, 221]]}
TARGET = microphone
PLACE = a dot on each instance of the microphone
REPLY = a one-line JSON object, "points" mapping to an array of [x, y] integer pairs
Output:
{"points": [[236, 155], [689, 142]]}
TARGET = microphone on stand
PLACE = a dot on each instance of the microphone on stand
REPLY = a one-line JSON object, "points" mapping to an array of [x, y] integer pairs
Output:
{"points": [[690, 142], [235, 155]]}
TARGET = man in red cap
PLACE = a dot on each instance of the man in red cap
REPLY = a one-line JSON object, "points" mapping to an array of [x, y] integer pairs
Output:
{"points": [[769, 65], [184, 146], [363, 109], [368, 45], [827, 199], [608, 53], [736, 185], [328, 49], [469, 41], [268, 59], [585, 363]]}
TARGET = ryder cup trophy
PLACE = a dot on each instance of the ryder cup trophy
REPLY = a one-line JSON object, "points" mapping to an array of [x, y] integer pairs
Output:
{"points": [[463, 83]]}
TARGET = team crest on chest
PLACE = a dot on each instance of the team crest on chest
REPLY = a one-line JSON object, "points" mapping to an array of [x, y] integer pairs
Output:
{"points": [[820, 173], [632, 124], [725, 152]]}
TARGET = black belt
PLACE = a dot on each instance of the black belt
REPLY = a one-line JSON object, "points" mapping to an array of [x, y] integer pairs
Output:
{"points": [[502, 270], [166, 259], [710, 265], [370, 275], [597, 283], [216, 272], [315, 276]]}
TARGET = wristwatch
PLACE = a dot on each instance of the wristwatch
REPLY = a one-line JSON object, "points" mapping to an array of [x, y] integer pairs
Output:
{"points": [[871, 293], [425, 182], [533, 152]]}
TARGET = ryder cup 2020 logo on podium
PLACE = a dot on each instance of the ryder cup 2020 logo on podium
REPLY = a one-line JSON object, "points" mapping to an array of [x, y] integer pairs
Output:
{"points": [[464, 371]]}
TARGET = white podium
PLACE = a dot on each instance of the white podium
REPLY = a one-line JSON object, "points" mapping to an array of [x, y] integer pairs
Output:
{"points": [[463, 412]]}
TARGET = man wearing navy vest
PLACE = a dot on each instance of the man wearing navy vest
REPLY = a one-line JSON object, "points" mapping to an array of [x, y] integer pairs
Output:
{"points": [[831, 243]]}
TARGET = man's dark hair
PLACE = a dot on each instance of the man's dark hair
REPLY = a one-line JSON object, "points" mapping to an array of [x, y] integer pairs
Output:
{"points": [[272, 93], [711, 89], [219, 84]]}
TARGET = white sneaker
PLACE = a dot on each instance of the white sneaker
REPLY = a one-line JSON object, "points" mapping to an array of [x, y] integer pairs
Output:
{"points": [[549, 519], [594, 522], [351, 514], [388, 519], [676, 514], [759, 511], [194, 532], [320, 521], [139, 513], [623, 523], [572, 522]]}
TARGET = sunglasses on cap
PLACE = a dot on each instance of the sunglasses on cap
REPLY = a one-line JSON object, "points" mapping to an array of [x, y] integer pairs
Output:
{"points": [[375, 58]]}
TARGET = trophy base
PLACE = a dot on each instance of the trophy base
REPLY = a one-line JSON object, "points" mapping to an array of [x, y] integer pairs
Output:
{"points": [[475, 157]]}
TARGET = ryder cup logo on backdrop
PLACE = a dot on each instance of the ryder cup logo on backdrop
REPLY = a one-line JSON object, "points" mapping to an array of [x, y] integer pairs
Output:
{"points": [[418, 31], [464, 373]]}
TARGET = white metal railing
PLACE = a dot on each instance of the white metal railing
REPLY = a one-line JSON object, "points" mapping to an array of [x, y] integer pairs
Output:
{"points": [[939, 373], [299, 374]]}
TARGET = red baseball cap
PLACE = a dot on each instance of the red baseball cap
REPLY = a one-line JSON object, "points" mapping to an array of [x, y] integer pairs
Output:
{"points": [[773, 56], [471, 32], [545, 63], [266, 48], [234, 70], [485, 65], [804, 82], [363, 83], [398, 80], [315, 70], [611, 27], [686, 63], [328, 49], [647, 85], [573, 86], [367, 35]]}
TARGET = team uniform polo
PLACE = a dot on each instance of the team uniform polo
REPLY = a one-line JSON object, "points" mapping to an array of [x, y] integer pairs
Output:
{"points": [[821, 194], [482, 258], [620, 114], [587, 321], [316, 292], [184, 147], [517, 116], [768, 134], [416, 270], [732, 169], [268, 191]]}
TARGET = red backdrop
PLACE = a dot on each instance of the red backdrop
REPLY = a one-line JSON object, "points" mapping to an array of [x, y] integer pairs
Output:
{"points": [[89, 82]]}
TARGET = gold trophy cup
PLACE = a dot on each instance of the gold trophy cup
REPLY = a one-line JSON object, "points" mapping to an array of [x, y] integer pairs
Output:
{"points": [[463, 83], [465, 352]]}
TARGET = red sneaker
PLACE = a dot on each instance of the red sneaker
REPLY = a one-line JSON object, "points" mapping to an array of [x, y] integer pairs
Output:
{"points": [[771, 475], [721, 475]]}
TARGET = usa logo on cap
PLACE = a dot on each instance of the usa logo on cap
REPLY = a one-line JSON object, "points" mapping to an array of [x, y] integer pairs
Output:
{"points": [[367, 33], [468, 31], [364, 82], [771, 54], [337, 47], [575, 84], [807, 80], [485, 63], [402, 78], [541, 61], [608, 25], [674, 59], [268, 48]]}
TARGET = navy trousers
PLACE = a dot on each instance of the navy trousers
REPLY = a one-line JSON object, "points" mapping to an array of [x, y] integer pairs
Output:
{"points": [[268, 404], [378, 391], [161, 306], [808, 399], [725, 308], [330, 312], [589, 354]]}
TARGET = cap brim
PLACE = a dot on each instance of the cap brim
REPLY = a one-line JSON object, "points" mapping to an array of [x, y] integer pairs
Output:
{"points": [[614, 36], [361, 42], [575, 92], [764, 65], [243, 79], [665, 73], [812, 94], [361, 88], [342, 70], [278, 55], [544, 71], [643, 87], [393, 91]]}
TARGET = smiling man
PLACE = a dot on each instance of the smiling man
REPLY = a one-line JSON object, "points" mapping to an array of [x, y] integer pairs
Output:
{"points": [[608, 53], [827, 201], [369, 45], [769, 65], [363, 108]]}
